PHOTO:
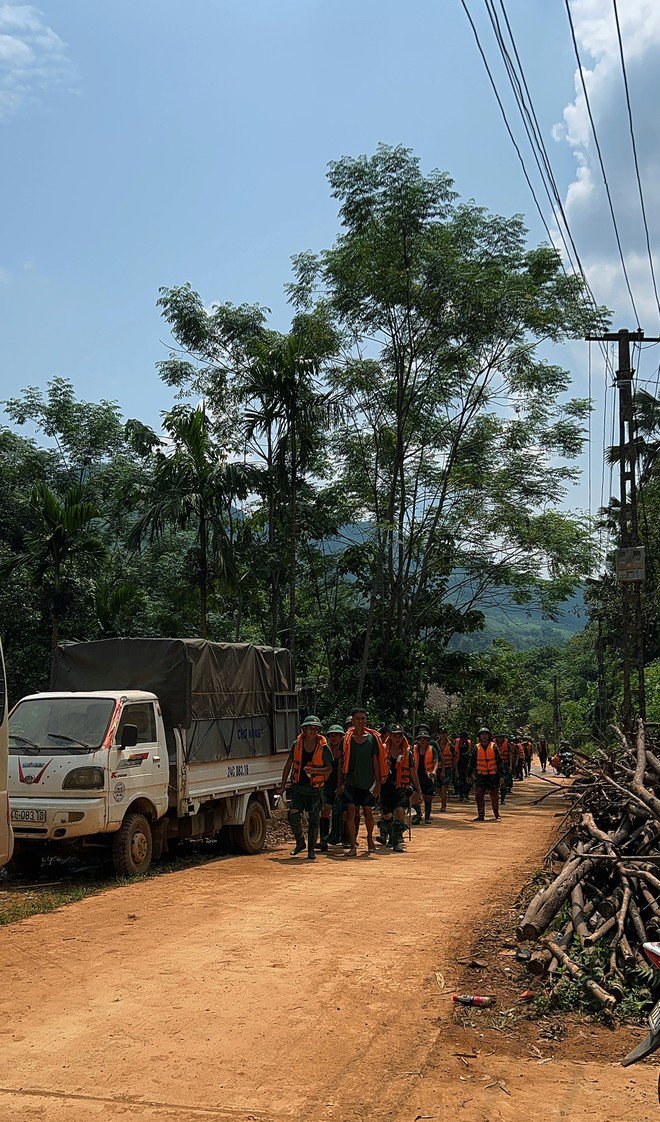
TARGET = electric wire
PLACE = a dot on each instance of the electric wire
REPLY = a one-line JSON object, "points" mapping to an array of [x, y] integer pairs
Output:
{"points": [[505, 118], [521, 160], [601, 161], [634, 150], [525, 105]]}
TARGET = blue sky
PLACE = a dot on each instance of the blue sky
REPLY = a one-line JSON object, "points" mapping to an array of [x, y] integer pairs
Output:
{"points": [[154, 142]]}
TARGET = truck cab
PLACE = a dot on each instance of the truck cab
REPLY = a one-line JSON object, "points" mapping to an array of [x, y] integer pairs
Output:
{"points": [[78, 762]]}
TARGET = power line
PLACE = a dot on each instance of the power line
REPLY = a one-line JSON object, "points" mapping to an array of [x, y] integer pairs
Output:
{"points": [[600, 160], [535, 127], [505, 118], [634, 149], [525, 105]]}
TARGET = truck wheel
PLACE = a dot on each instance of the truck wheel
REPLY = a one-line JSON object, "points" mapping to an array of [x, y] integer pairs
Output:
{"points": [[251, 836], [132, 846]]}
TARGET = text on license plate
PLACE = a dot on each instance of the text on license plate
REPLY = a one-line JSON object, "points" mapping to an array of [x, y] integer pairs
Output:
{"points": [[28, 815]]}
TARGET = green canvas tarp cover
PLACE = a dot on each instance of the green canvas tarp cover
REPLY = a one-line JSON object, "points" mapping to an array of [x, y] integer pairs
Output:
{"points": [[194, 680]]}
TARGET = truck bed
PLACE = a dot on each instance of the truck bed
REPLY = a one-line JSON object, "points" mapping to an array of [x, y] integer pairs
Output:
{"points": [[217, 778]]}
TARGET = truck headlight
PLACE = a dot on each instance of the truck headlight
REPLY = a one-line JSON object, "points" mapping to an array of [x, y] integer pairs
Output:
{"points": [[83, 779]]}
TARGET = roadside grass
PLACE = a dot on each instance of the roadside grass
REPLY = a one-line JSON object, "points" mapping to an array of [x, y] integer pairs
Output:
{"points": [[66, 881]]}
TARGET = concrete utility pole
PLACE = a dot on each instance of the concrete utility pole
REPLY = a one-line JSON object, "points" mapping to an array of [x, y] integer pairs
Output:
{"points": [[556, 713], [629, 558]]}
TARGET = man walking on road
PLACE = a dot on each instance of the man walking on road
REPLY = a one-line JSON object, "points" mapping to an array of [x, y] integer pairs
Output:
{"points": [[504, 749], [395, 789], [426, 757], [447, 769], [331, 809], [309, 764], [462, 752], [486, 763], [360, 777], [528, 749], [543, 753]]}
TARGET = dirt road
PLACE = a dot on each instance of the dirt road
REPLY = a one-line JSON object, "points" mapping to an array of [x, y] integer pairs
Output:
{"points": [[272, 989]]}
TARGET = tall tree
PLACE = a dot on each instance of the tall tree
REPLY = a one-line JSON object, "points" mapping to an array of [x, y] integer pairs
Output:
{"points": [[193, 487], [60, 541], [458, 439]]}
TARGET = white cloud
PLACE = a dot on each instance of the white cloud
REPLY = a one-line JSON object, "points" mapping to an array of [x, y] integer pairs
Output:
{"points": [[586, 202], [33, 58]]}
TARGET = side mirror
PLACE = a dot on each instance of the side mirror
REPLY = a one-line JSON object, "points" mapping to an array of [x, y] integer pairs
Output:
{"points": [[129, 736]]}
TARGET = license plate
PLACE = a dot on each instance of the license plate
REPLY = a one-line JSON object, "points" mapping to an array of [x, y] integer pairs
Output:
{"points": [[654, 1020], [28, 815]]}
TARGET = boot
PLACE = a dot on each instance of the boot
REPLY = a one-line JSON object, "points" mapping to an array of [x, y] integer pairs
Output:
{"points": [[311, 842], [383, 831], [398, 830], [427, 810], [417, 820], [295, 822], [334, 837], [325, 830]]}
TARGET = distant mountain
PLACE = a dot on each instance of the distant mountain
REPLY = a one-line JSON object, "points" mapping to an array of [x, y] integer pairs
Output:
{"points": [[524, 627], [521, 626]]}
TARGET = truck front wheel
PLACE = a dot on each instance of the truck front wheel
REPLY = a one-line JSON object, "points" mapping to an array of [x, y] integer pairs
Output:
{"points": [[251, 836], [132, 846]]}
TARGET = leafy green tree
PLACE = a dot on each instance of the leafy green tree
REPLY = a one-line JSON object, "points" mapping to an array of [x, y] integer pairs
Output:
{"points": [[193, 487], [60, 542], [458, 441]]}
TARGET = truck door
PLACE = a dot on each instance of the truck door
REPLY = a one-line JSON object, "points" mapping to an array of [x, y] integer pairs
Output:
{"points": [[144, 765]]}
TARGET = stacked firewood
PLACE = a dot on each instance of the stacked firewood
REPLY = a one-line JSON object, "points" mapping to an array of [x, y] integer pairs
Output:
{"points": [[608, 889]]}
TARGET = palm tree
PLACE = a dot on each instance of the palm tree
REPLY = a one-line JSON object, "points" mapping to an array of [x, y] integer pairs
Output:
{"points": [[193, 488], [60, 536], [283, 422]]}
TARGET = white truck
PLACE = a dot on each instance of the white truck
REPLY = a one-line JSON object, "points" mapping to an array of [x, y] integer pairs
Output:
{"points": [[141, 742], [6, 834]]}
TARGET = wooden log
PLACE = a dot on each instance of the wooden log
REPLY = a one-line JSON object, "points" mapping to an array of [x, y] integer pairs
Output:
{"points": [[600, 932], [637, 783], [545, 906], [607, 1000], [577, 913]]}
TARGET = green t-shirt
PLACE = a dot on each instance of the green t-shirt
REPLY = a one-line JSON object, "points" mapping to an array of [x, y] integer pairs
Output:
{"points": [[361, 768]]}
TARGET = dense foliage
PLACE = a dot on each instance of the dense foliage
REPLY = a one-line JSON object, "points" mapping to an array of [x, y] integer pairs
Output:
{"points": [[361, 488]]}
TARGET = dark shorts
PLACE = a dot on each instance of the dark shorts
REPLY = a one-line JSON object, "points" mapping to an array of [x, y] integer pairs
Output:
{"points": [[305, 799], [329, 798], [358, 796], [487, 782], [391, 798], [427, 785]]}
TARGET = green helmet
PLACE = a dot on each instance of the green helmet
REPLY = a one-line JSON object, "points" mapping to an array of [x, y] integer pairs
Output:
{"points": [[336, 728], [311, 721]]}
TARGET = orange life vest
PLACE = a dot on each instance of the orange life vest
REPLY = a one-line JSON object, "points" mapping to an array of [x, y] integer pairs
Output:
{"points": [[382, 752], [504, 751], [317, 760], [403, 767], [447, 753], [457, 748], [486, 761], [430, 762]]}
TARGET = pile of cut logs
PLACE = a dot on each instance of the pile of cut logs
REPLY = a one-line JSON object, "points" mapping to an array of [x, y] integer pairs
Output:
{"points": [[608, 889]]}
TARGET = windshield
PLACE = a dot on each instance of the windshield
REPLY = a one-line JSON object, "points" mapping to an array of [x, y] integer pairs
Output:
{"points": [[59, 724]]}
